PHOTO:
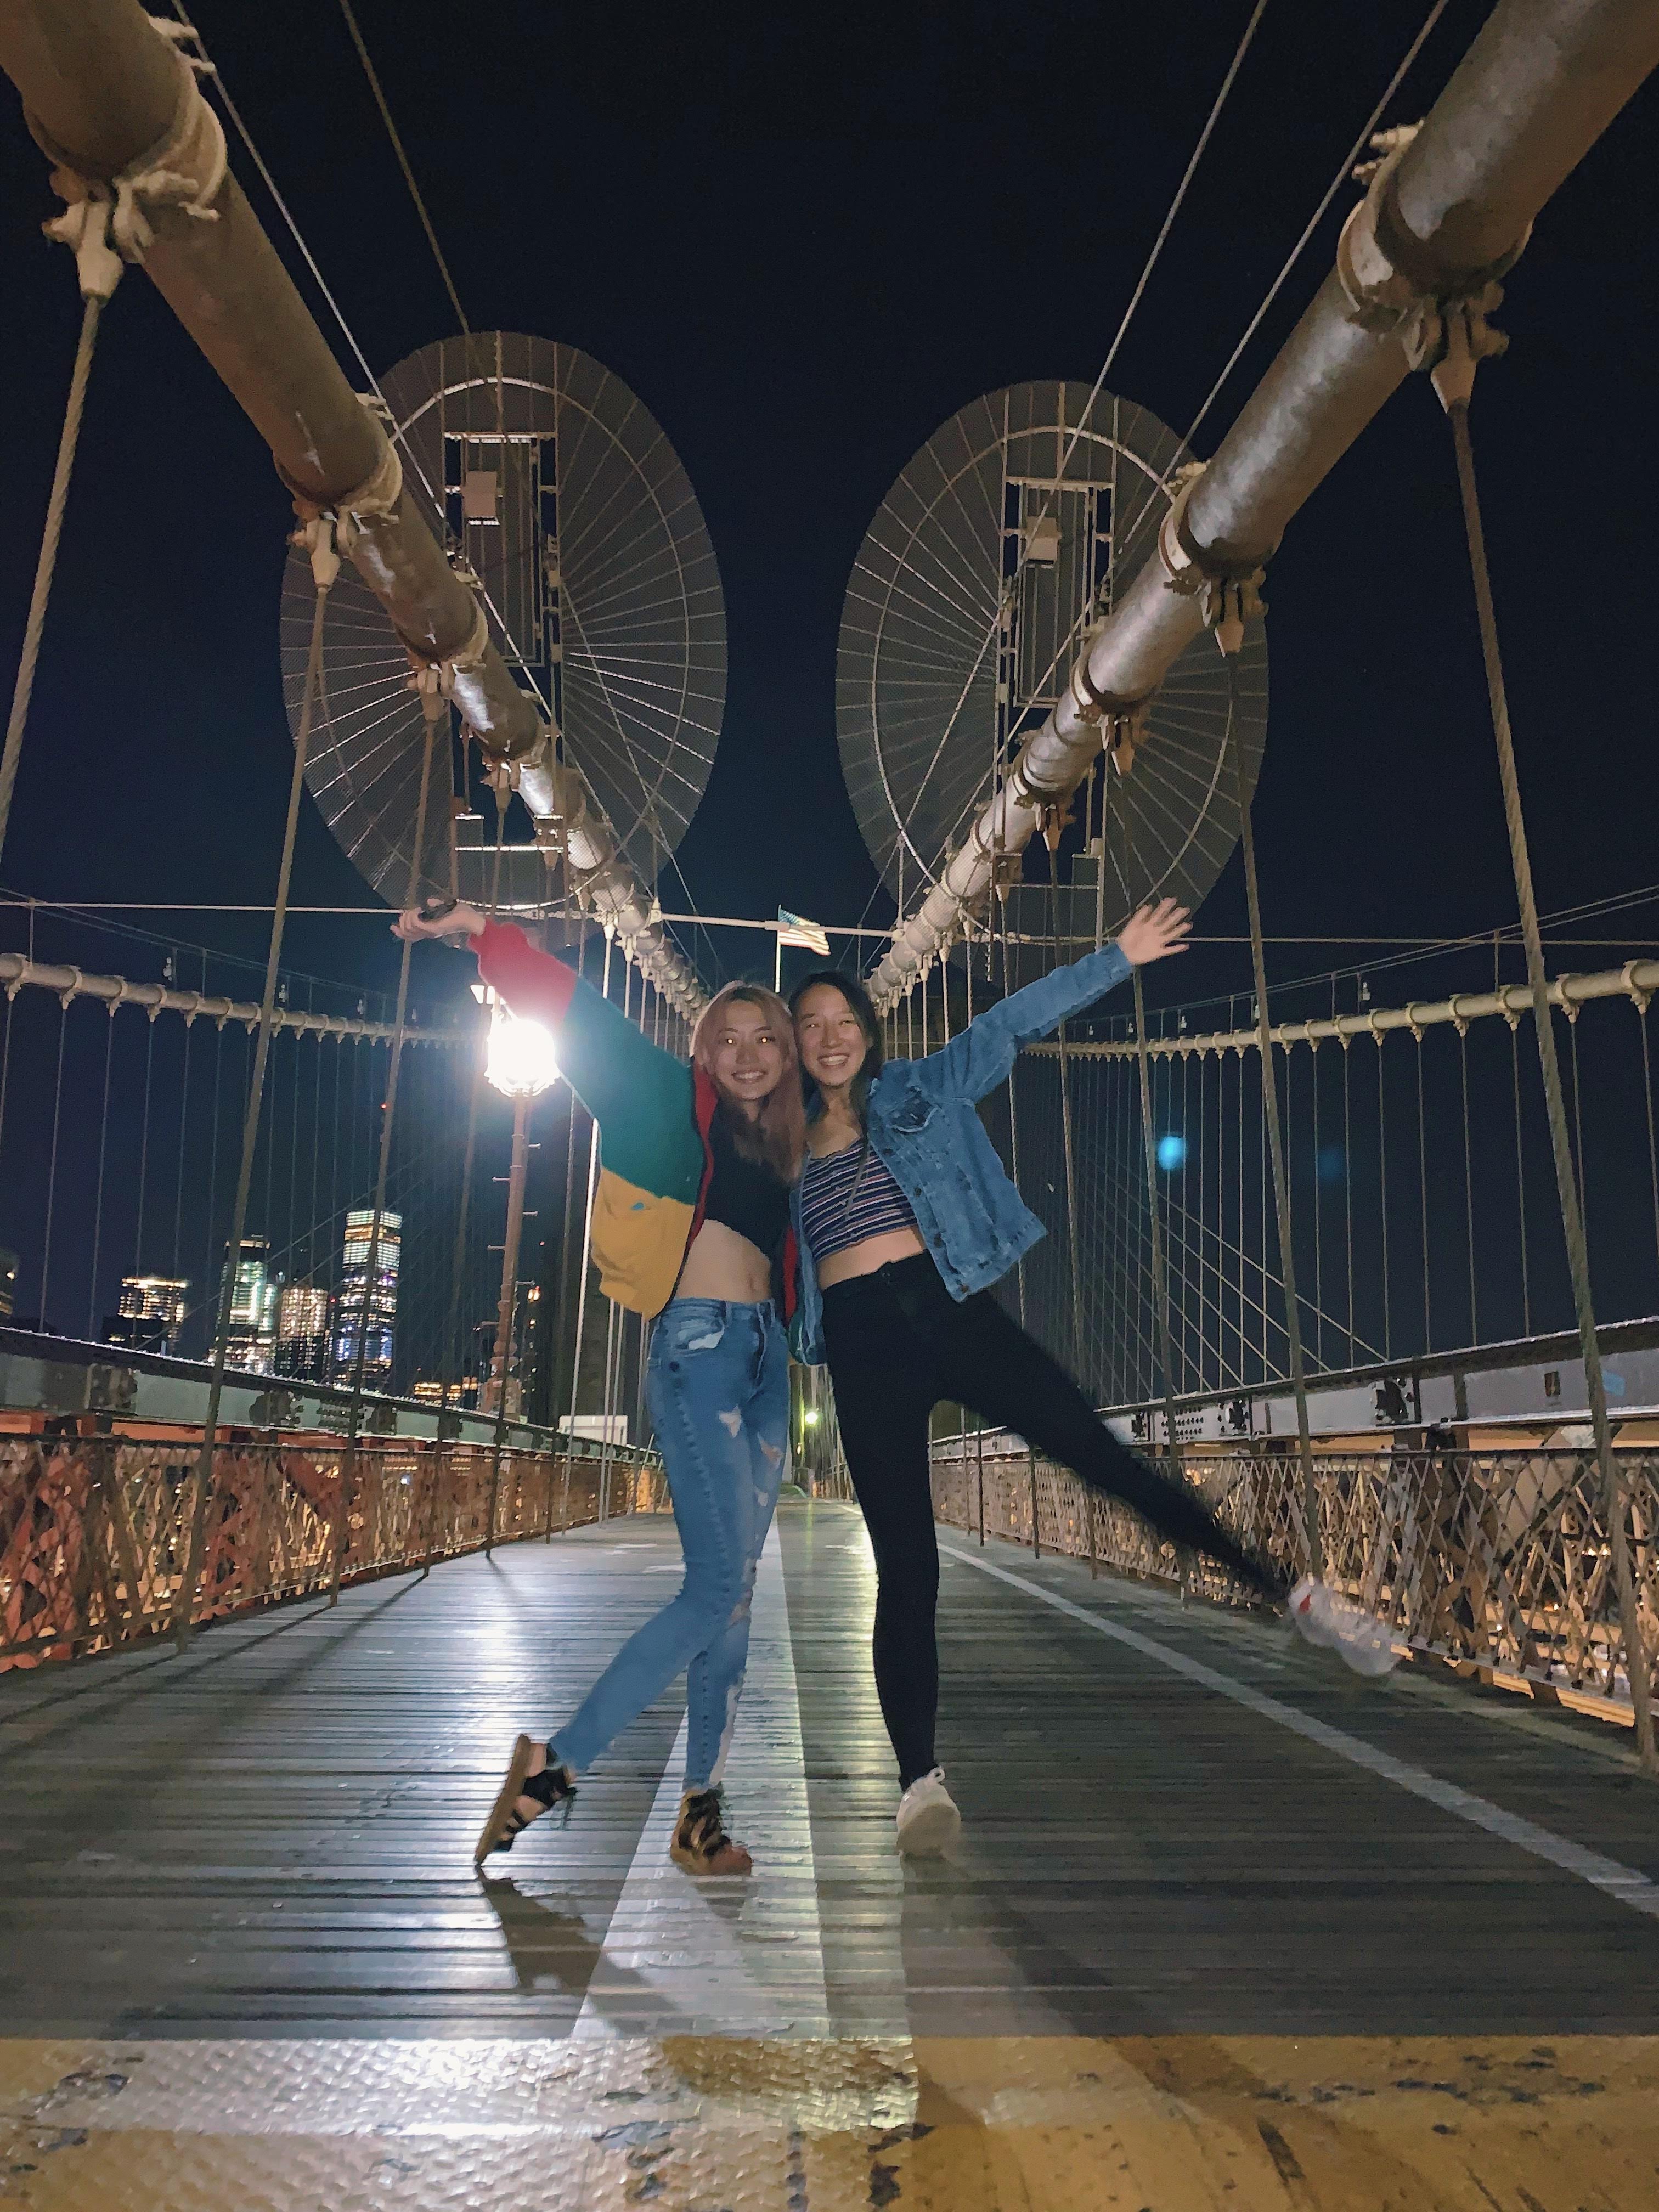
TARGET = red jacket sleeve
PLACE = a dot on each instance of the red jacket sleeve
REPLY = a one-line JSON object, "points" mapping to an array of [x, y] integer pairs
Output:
{"points": [[536, 986]]}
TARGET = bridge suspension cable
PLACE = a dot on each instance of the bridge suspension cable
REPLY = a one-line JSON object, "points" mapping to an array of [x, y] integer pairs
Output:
{"points": [[325, 567], [1464, 341]]}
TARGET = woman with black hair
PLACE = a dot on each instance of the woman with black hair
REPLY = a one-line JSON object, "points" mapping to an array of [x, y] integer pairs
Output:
{"points": [[903, 1219]]}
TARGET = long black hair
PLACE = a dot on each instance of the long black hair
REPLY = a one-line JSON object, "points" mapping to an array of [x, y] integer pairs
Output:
{"points": [[869, 1023]]}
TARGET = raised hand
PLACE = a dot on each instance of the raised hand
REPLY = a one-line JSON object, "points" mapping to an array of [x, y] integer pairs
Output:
{"points": [[1156, 931], [438, 918]]}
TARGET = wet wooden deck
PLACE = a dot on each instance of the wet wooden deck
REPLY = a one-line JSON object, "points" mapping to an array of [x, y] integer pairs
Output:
{"points": [[1181, 1832]]}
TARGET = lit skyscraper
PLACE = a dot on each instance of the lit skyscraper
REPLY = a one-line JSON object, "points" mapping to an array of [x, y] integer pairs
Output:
{"points": [[382, 1297], [150, 1314], [253, 1307], [302, 1332]]}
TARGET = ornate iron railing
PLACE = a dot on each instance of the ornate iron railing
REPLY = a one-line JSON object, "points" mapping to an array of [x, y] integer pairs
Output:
{"points": [[94, 1531], [1495, 1561]]}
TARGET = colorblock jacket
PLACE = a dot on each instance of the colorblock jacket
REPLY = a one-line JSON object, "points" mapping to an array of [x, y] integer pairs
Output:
{"points": [[654, 1115], [922, 1126]]}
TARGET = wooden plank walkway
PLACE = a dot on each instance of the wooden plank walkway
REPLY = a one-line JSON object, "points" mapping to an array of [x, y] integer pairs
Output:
{"points": [[1225, 1927]]}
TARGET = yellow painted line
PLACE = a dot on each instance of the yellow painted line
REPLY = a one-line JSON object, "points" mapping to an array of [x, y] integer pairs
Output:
{"points": [[1179, 2124]]}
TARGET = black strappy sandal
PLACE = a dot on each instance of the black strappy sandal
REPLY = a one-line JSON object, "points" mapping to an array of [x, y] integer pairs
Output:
{"points": [[552, 1786]]}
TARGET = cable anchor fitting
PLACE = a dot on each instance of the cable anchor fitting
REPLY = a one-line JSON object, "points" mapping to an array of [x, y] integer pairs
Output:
{"points": [[185, 170], [316, 537], [84, 226], [1394, 288], [1228, 591]]}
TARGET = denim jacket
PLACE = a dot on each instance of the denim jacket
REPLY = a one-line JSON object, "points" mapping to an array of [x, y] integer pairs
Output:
{"points": [[923, 1127]]}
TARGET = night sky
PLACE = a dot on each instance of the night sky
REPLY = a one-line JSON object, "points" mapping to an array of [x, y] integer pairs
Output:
{"points": [[805, 239]]}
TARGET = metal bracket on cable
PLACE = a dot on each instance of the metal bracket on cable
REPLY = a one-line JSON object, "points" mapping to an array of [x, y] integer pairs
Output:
{"points": [[183, 170], [1122, 722], [84, 226], [1392, 288], [1229, 595], [317, 536]]}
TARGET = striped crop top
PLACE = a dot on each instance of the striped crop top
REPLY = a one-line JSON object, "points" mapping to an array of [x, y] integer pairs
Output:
{"points": [[846, 1196]]}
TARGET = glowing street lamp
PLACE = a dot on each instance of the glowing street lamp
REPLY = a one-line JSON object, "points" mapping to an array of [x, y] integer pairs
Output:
{"points": [[520, 1063], [518, 1059]]}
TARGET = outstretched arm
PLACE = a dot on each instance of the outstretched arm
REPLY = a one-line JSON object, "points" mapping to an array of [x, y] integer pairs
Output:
{"points": [[975, 1062], [606, 1060]]}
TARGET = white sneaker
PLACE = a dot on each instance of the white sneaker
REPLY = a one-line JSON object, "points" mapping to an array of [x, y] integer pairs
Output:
{"points": [[1324, 1617], [928, 1821]]}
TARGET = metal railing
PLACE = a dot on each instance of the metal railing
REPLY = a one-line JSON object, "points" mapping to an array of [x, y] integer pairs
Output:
{"points": [[1497, 1562], [94, 1531]]}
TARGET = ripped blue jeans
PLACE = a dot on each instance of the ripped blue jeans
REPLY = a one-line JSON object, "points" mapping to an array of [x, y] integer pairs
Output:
{"points": [[718, 1384]]}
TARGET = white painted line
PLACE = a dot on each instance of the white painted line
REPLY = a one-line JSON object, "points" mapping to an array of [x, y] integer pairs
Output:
{"points": [[1623, 1882], [729, 1956]]}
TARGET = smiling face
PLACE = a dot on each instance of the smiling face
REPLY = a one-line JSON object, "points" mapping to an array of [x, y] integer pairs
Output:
{"points": [[747, 1056], [830, 1038]]}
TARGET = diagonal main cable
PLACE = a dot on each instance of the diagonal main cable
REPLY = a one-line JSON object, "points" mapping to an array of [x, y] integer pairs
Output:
{"points": [[403, 163]]}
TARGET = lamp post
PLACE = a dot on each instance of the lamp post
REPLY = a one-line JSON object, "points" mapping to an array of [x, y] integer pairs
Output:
{"points": [[520, 1063]]}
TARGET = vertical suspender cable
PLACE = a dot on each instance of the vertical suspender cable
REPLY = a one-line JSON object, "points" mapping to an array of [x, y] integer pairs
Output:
{"points": [[1154, 1231], [458, 1264], [564, 1277], [1469, 1183], [1383, 1194], [51, 1166], [1347, 1184], [1067, 1146], [1423, 1197], [1275, 1147], [588, 1249], [1572, 1219], [1154, 1216], [430, 700], [1521, 1175], [1640, 1003], [97, 1194], [23, 688], [184, 1125], [325, 567], [1320, 1353]]}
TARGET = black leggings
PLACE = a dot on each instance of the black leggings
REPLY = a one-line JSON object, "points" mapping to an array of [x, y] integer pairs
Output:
{"points": [[897, 1342]]}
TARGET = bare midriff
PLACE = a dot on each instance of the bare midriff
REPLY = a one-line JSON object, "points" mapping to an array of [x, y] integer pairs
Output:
{"points": [[721, 1264], [864, 1258]]}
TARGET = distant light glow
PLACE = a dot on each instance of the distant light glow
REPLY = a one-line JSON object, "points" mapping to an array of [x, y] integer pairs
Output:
{"points": [[519, 1061], [1171, 1152]]}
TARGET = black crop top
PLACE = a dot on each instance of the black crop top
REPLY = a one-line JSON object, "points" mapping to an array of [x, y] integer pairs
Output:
{"points": [[744, 1194]]}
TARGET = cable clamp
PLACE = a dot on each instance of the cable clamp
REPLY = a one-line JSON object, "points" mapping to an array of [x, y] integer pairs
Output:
{"points": [[185, 170], [427, 681], [1380, 291], [1627, 976], [1394, 288], [84, 226], [66, 998], [1230, 592], [316, 537], [1451, 340], [470, 655]]}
